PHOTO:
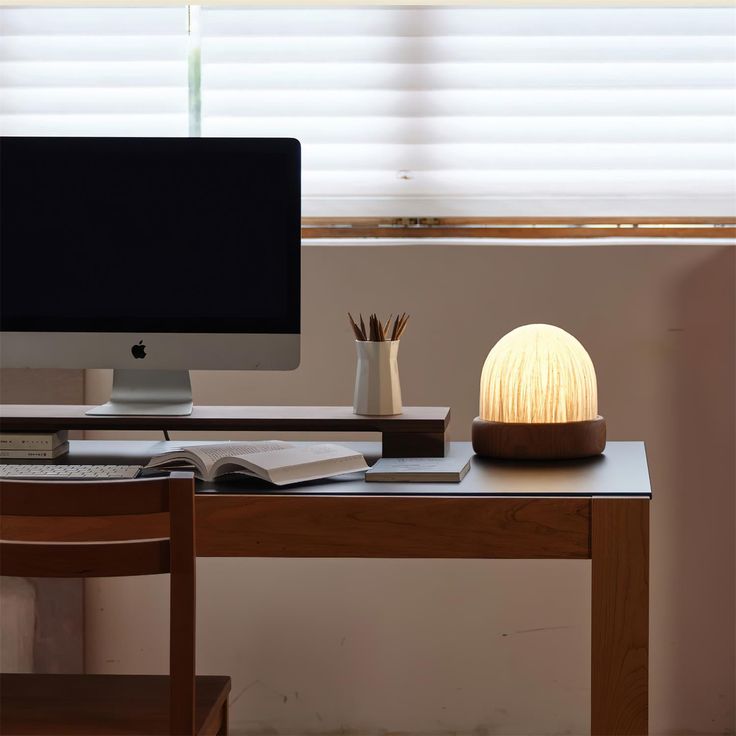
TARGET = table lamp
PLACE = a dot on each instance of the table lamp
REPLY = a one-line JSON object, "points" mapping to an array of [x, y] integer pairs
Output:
{"points": [[538, 398]]}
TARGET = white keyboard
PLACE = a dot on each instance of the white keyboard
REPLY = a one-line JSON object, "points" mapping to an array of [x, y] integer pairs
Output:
{"points": [[68, 472]]}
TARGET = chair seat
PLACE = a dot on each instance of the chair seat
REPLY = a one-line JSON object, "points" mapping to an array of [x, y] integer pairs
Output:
{"points": [[101, 704]]}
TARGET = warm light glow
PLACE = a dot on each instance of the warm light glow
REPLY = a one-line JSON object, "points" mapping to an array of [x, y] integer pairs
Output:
{"points": [[538, 373]]}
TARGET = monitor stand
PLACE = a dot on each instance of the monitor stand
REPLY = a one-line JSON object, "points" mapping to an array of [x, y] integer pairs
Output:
{"points": [[148, 393]]}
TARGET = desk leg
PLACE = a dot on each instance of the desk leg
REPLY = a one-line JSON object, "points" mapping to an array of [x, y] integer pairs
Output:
{"points": [[620, 626]]}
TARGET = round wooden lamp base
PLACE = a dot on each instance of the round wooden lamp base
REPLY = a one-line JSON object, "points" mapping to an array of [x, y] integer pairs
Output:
{"points": [[560, 441]]}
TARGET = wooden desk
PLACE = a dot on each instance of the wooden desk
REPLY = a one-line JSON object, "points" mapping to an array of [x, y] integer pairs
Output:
{"points": [[595, 509]]}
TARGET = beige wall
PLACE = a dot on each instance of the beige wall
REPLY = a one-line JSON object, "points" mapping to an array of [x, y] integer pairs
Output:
{"points": [[479, 647]]}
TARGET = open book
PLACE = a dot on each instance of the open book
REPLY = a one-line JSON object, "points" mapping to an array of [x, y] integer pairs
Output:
{"points": [[272, 460]]}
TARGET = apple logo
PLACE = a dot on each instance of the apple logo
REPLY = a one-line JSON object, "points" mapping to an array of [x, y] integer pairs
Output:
{"points": [[139, 350]]}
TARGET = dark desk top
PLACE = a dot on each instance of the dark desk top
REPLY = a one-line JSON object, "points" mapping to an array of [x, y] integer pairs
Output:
{"points": [[620, 472]]}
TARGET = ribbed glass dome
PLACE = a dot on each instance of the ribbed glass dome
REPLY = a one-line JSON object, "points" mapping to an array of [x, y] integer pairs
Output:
{"points": [[538, 374]]}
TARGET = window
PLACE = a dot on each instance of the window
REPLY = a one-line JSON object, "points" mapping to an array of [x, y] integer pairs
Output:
{"points": [[413, 118], [441, 112], [93, 71]]}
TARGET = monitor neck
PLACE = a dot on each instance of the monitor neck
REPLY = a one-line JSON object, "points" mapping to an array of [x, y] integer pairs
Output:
{"points": [[148, 393]]}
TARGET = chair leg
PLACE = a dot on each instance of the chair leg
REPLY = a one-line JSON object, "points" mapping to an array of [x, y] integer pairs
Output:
{"points": [[222, 731]]}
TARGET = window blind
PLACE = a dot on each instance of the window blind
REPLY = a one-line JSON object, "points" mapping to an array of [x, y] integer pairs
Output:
{"points": [[430, 111], [93, 71]]}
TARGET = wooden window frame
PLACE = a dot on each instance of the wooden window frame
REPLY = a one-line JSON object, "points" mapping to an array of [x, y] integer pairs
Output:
{"points": [[518, 227]]}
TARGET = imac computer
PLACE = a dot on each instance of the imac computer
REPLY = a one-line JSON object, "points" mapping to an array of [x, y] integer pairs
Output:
{"points": [[150, 256]]}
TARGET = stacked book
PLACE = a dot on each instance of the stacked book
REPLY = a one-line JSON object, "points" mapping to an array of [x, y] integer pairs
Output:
{"points": [[38, 445]]}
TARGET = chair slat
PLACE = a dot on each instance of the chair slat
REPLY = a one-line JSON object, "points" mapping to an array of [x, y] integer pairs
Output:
{"points": [[84, 498], [84, 528], [85, 560]]}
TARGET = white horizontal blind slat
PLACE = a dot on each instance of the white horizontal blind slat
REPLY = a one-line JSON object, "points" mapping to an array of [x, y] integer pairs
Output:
{"points": [[512, 193], [93, 71], [490, 48], [92, 21], [453, 76], [320, 129], [87, 48], [502, 103], [463, 22], [535, 156], [485, 111]]}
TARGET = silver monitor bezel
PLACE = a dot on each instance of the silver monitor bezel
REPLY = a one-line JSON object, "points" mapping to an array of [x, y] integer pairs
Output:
{"points": [[163, 351]]}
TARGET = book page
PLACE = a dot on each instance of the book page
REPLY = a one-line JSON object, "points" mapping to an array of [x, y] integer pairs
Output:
{"points": [[212, 453], [204, 457], [306, 462]]}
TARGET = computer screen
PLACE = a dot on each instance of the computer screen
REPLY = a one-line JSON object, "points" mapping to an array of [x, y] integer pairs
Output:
{"points": [[149, 235]]}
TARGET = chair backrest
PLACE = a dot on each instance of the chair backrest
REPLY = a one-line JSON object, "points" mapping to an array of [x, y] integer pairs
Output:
{"points": [[68, 529]]}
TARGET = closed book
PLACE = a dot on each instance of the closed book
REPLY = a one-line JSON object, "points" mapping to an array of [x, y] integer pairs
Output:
{"points": [[450, 469], [35, 454], [32, 440]]}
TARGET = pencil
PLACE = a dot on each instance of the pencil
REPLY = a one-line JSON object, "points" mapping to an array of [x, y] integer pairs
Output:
{"points": [[356, 329], [402, 327], [397, 326], [378, 331]]}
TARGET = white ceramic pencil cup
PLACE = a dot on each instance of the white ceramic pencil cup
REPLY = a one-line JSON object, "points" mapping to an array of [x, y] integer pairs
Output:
{"points": [[377, 387]]}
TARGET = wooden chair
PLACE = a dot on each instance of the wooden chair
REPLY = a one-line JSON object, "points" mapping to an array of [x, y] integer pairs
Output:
{"points": [[180, 703]]}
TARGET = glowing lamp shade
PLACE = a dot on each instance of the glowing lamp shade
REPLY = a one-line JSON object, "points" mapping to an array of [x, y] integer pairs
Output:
{"points": [[538, 398]]}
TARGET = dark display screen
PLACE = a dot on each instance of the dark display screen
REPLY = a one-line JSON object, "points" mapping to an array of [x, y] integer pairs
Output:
{"points": [[150, 235]]}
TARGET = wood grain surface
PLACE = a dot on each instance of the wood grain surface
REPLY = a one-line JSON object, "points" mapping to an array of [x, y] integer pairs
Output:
{"points": [[182, 605], [97, 705], [380, 526], [419, 431], [84, 560], [517, 227], [620, 617], [90, 705], [543, 441], [345, 526], [84, 498], [374, 526], [614, 532], [37, 418], [84, 528]]}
